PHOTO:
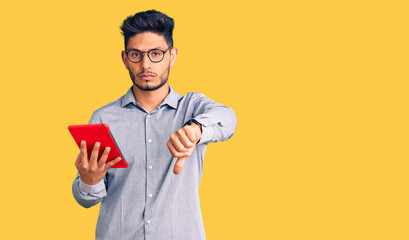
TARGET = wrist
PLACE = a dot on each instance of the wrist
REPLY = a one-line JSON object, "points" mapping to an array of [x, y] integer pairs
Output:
{"points": [[193, 121], [89, 180]]}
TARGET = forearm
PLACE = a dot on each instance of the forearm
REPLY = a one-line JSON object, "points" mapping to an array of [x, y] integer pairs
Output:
{"points": [[218, 122], [88, 195]]}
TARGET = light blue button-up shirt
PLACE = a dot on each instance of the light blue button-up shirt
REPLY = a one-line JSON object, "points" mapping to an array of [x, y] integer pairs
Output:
{"points": [[147, 200]]}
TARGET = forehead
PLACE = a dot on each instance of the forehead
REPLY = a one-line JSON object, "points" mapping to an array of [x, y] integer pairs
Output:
{"points": [[147, 40]]}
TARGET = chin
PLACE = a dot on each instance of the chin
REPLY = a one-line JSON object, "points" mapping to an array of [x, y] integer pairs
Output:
{"points": [[149, 86]]}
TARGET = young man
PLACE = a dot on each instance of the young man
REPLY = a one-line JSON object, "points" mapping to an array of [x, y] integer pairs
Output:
{"points": [[162, 135]]}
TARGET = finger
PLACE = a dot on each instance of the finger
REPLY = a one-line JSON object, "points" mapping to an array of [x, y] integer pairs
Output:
{"points": [[83, 149], [104, 156], [171, 148], [179, 165], [94, 154], [83, 156], [184, 139], [112, 163], [177, 144], [175, 153]]}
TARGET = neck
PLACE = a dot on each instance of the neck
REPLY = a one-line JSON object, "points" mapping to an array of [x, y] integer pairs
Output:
{"points": [[150, 100]]}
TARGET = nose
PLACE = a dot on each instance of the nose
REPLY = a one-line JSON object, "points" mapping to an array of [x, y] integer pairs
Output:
{"points": [[145, 63]]}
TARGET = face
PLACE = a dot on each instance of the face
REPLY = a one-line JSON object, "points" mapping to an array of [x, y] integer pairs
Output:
{"points": [[147, 75]]}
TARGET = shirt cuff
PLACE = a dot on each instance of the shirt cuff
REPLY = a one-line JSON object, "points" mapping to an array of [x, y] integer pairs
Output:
{"points": [[206, 134], [92, 188]]}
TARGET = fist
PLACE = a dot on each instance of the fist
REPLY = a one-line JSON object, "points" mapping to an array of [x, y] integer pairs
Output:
{"points": [[182, 143]]}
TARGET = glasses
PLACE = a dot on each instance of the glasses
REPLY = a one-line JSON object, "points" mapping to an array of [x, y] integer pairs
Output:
{"points": [[155, 55]]}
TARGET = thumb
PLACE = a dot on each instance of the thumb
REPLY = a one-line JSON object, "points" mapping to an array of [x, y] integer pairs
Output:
{"points": [[179, 165]]}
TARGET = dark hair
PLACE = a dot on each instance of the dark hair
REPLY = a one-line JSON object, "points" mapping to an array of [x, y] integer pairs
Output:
{"points": [[148, 21]]}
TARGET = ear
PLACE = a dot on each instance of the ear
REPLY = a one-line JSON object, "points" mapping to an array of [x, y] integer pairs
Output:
{"points": [[123, 55], [173, 56]]}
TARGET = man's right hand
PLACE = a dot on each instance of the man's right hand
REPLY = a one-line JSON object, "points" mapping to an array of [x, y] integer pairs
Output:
{"points": [[93, 170]]}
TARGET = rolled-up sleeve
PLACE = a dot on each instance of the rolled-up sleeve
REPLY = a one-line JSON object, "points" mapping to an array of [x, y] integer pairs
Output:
{"points": [[88, 195]]}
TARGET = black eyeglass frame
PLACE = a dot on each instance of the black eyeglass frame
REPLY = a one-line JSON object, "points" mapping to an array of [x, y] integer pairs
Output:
{"points": [[143, 54]]}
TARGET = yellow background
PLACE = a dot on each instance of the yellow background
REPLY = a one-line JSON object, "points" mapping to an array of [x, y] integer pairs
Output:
{"points": [[320, 89]]}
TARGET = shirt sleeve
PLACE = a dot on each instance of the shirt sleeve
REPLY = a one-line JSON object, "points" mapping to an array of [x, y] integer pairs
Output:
{"points": [[89, 195], [218, 121]]}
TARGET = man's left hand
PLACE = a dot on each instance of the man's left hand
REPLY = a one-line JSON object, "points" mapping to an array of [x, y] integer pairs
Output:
{"points": [[182, 142]]}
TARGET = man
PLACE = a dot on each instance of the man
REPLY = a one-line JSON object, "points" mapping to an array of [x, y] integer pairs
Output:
{"points": [[159, 133]]}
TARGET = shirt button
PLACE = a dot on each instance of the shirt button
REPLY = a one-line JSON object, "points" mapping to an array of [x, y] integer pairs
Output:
{"points": [[150, 167], [149, 221], [150, 195], [149, 116], [149, 140]]}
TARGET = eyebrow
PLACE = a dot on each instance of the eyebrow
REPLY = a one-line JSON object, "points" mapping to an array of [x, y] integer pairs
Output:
{"points": [[147, 50]]}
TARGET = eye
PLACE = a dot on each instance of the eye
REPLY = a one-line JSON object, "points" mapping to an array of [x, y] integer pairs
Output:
{"points": [[156, 53], [135, 54]]}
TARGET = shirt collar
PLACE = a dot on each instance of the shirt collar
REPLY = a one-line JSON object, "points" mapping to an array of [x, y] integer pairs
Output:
{"points": [[171, 99]]}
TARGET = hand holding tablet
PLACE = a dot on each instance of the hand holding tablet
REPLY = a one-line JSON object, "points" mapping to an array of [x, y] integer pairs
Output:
{"points": [[98, 151]]}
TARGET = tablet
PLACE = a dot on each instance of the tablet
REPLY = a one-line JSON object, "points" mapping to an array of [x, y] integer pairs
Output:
{"points": [[93, 133]]}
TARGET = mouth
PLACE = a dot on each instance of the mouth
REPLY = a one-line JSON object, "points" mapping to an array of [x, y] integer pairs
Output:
{"points": [[146, 76]]}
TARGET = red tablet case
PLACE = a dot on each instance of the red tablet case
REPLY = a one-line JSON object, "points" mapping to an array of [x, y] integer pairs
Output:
{"points": [[93, 133]]}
